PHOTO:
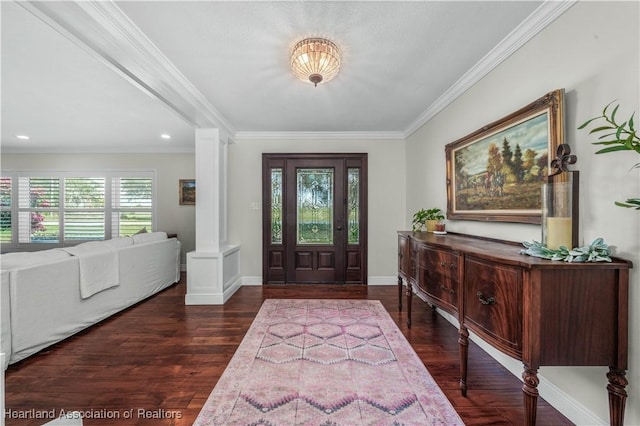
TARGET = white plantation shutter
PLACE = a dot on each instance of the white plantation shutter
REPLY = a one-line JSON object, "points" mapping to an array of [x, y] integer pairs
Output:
{"points": [[65, 208], [6, 227], [132, 205], [84, 202], [38, 206]]}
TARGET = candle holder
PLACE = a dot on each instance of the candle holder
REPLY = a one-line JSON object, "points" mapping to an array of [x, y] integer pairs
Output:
{"points": [[560, 197]]}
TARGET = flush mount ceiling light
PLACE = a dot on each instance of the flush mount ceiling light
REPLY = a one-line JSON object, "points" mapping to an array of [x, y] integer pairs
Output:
{"points": [[315, 60]]}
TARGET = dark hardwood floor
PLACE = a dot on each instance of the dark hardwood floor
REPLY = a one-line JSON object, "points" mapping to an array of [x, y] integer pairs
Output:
{"points": [[161, 358]]}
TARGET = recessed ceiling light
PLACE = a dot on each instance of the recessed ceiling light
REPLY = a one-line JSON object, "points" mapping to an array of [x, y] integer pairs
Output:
{"points": [[165, 136], [23, 137]]}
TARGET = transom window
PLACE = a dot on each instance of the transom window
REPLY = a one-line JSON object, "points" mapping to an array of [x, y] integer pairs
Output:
{"points": [[65, 208]]}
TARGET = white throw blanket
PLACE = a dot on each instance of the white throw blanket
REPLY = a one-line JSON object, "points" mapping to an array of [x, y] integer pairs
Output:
{"points": [[99, 269]]}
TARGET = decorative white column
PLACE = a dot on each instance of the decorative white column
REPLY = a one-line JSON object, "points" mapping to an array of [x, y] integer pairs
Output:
{"points": [[213, 269]]}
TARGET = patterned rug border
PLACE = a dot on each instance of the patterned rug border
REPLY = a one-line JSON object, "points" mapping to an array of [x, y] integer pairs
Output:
{"points": [[227, 392]]}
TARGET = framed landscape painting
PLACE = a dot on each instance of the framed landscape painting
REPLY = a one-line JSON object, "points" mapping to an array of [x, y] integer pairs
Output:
{"points": [[496, 172], [187, 191]]}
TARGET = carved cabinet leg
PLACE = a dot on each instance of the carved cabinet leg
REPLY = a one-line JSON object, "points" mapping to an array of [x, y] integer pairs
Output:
{"points": [[617, 395], [409, 299], [400, 294], [530, 394], [463, 341]]}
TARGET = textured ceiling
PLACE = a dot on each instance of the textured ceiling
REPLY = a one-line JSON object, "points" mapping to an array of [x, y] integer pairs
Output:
{"points": [[399, 58]]}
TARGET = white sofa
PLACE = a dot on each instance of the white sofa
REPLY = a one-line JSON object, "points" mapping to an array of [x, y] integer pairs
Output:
{"points": [[44, 297]]}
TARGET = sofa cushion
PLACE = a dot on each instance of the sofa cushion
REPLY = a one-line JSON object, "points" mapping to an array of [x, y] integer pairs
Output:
{"points": [[25, 258], [149, 237], [113, 243], [91, 245], [119, 242]]}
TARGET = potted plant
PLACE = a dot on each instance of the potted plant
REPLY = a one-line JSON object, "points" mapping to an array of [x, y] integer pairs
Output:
{"points": [[426, 218], [616, 137]]}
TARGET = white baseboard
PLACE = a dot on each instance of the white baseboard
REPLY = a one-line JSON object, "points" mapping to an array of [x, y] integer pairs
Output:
{"points": [[381, 280], [556, 397], [251, 280], [572, 409], [214, 298]]}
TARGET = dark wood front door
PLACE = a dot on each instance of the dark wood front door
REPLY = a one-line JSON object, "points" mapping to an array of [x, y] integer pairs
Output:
{"points": [[314, 218]]}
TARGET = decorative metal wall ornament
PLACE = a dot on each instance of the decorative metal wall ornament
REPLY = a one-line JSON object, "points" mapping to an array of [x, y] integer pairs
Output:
{"points": [[563, 157]]}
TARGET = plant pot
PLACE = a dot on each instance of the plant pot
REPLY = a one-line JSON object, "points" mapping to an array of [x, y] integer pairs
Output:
{"points": [[431, 225]]}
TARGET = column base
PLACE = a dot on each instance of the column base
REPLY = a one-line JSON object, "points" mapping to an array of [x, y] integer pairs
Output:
{"points": [[213, 277]]}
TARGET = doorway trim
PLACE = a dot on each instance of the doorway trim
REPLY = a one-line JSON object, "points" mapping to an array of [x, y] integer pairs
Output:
{"points": [[274, 256]]}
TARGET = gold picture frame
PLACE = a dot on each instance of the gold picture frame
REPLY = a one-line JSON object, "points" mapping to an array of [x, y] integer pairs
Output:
{"points": [[187, 191], [482, 185]]}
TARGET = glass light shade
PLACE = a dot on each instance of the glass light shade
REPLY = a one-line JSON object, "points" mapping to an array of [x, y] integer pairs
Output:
{"points": [[315, 60]]}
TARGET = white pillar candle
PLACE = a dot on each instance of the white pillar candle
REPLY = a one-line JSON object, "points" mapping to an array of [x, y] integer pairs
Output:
{"points": [[558, 232]]}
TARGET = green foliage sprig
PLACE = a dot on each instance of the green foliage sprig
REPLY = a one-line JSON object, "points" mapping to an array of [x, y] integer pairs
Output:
{"points": [[616, 137], [597, 251], [630, 203]]}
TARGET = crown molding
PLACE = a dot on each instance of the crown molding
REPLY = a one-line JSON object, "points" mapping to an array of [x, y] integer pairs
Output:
{"points": [[545, 14], [103, 30], [132, 149], [319, 135]]}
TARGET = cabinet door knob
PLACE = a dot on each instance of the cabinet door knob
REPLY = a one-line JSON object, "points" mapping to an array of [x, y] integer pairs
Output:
{"points": [[489, 301]]}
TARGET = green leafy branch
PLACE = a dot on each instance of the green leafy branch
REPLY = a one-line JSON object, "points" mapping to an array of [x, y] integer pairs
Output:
{"points": [[616, 137], [630, 203], [597, 251]]}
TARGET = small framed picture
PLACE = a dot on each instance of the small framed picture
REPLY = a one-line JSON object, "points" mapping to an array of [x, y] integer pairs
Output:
{"points": [[187, 191]]}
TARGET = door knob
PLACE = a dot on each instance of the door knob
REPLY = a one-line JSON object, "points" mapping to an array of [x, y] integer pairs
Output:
{"points": [[339, 228]]}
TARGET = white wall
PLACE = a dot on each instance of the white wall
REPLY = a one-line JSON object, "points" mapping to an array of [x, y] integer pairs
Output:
{"points": [[386, 197], [170, 216], [592, 51]]}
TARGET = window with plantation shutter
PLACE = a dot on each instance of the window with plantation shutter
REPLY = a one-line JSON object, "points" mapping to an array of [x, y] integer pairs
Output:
{"points": [[67, 208], [39, 210], [84, 202], [6, 228], [132, 205]]}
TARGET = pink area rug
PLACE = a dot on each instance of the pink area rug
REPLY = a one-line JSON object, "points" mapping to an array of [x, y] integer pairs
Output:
{"points": [[326, 362]]}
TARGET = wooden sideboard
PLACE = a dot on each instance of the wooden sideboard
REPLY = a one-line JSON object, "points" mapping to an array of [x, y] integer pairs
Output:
{"points": [[542, 312]]}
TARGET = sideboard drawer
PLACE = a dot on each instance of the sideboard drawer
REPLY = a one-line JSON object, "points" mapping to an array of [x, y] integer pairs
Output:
{"points": [[443, 263], [493, 303], [439, 276]]}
